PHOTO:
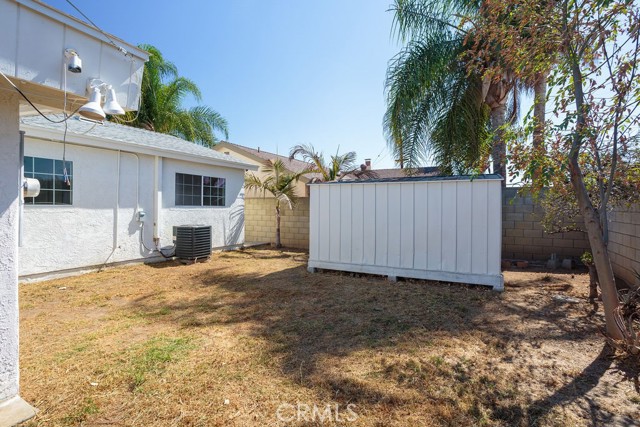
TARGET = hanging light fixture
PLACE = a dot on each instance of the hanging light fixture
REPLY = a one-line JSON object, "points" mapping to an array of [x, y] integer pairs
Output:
{"points": [[92, 109], [111, 105]]}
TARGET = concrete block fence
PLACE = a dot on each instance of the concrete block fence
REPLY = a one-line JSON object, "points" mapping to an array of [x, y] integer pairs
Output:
{"points": [[624, 243], [522, 234], [524, 238], [260, 222]]}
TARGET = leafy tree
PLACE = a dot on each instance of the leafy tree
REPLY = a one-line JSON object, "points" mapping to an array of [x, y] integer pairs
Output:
{"points": [[163, 92], [280, 183], [434, 104], [591, 149], [337, 168]]}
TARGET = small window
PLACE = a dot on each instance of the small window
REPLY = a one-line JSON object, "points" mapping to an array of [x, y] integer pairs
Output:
{"points": [[196, 190], [56, 187]]}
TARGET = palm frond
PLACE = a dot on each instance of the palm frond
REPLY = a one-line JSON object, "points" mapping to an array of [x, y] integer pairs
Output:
{"points": [[163, 92], [419, 86], [417, 18], [307, 153]]}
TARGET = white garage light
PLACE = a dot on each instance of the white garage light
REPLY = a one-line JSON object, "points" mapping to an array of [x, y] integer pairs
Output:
{"points": [[111, 105], [93, 110]]}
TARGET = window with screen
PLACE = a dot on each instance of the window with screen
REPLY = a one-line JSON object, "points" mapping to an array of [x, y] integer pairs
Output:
{"points": [[197, 190], [56, 187]]}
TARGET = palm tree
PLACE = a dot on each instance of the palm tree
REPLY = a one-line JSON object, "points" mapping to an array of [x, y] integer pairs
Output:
{"points": [[280, 183], [163, 92], [434, 104], [338, 167]]}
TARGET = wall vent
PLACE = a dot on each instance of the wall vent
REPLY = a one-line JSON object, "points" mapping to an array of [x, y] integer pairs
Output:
{"points": [[193, 241]]}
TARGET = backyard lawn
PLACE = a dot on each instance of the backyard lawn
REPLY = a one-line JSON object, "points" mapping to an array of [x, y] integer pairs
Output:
{"points": [[251, 339]]}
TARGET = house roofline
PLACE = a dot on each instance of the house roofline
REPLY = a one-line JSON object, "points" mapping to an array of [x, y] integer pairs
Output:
{"points": [[260, 160], [111, 144]]}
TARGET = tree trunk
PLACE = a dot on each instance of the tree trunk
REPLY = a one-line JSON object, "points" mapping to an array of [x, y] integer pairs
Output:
{"points": [[278, 242], [598, 249], [591, 219], [539, 107], [593, 282], [499, 150]]}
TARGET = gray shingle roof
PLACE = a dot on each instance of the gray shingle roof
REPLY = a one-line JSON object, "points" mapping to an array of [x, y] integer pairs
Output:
{"points": [[134, 137], [484, 177], [378, 174], [403, 173]]}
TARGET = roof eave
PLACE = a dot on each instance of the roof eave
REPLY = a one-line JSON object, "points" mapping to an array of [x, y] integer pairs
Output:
{"points": [[106, 143]]}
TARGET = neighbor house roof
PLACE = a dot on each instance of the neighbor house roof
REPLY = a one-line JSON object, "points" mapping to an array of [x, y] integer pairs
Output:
{"points": [[293, 165], [484, 177], [382, 174], [128, 138], [403, 173]]}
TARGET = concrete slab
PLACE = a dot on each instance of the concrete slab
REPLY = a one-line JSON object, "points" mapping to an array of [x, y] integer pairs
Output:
{"points": [[14, 411]]}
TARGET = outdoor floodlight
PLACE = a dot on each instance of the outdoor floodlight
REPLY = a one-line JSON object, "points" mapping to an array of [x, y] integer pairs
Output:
{"points": [[93, 109]]}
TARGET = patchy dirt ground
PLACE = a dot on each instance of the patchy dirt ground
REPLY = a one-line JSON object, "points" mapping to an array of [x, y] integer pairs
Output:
{"points": [[251, 339]]}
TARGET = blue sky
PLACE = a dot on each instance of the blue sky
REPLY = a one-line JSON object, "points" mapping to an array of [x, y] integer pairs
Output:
{"points": [[282, 72]]}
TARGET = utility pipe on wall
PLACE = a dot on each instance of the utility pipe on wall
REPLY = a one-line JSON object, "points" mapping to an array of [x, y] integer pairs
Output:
{"points": [[117, 209], [21, 209], [157, 199]]}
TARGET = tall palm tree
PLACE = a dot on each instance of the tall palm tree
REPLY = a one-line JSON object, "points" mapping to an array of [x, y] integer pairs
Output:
{"points": [[280, 183], [163, 92], [337, 168], [434, 104]]}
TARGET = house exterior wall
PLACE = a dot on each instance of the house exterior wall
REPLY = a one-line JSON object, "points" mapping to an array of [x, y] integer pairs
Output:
{"points": [[624, 243], [438, 230], [9, 193], [101, 227], [261, 222], [227, 222], [523, 236]]}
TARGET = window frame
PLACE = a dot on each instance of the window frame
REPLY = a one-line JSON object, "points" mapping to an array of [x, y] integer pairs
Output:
{"points": [[56, 178], [205, 194]]}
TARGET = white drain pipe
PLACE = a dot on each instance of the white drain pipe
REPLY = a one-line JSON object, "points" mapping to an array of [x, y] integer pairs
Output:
{"points": [[21, 208]]}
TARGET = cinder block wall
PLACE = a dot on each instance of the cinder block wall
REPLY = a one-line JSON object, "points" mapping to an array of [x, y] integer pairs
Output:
{"points": [[524, 238], [522, 234], [624, 243], [260, 222]]}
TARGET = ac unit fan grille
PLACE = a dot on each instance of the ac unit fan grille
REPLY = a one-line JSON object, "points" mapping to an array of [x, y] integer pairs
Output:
{"points": [[193, 241]]}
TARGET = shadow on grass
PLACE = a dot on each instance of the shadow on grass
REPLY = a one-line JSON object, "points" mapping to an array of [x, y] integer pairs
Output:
{"points": [[576, 389], [308, 317]]}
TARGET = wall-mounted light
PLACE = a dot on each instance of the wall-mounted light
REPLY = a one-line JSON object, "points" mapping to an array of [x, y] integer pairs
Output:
{"points": [[93, 110], [111, 105], [74, 63]]}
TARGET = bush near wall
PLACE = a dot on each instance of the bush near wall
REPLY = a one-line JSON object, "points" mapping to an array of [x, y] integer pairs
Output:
{"points": [[260, 222]]}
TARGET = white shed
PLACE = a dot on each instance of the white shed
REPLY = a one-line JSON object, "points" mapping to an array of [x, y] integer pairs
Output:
{"points": [[434, 228]]}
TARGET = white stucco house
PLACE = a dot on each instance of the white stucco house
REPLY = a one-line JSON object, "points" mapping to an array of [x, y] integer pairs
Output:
{"points": [[124, 191], [48, 60]]}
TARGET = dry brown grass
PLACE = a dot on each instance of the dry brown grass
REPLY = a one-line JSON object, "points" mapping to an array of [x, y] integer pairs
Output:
{"points": [[168, 344]]}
